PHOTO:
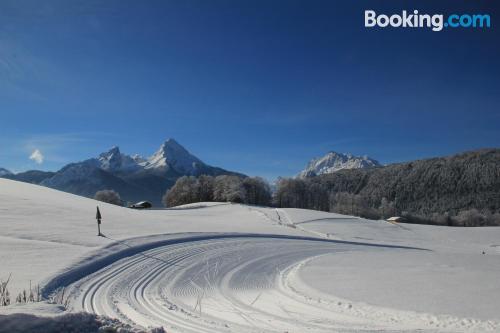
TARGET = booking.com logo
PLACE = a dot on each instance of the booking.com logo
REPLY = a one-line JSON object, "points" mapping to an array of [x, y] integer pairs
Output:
{"points": [[437, 21]]}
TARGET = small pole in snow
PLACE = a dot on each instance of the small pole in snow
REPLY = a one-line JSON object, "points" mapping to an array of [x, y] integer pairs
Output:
{"points": [[98, 218]]}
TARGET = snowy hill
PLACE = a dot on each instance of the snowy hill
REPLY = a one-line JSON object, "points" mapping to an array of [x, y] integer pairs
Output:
{"points": [[133, 177], [218, 267], [333, 162]]}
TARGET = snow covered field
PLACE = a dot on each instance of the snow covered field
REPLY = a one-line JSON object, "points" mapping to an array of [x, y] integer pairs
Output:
{"points": [[218, 267]]}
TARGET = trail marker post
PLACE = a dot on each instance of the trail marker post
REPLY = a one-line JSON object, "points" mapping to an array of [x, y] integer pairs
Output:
{"points": [[98, 218]]}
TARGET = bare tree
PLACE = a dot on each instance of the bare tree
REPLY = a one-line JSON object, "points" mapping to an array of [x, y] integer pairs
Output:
{"points": [[291, 193], [4, 292], [185, 190], [229, 188], [108, 196], [257, 191], [206, 188], [222, 188]]}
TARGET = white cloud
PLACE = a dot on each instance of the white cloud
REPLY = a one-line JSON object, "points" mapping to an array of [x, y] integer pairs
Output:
{"points": [[37, 156]]}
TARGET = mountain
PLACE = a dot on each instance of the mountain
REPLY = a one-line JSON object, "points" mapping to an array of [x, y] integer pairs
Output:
{"points": [[4, 172], [115, 161], [31, 176], [133, 177], [173, 157], [333, 162]]}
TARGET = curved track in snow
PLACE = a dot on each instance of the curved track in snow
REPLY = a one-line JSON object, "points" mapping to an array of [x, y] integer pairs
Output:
{"points": [[240, 284]]}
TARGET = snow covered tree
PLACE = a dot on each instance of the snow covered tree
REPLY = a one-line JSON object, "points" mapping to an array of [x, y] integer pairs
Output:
{"points": [[317, 196], [205, 188], [229, 188], [185, 190], [386, 208], [222, 188], [291, 193], [257, 191], [108, 196]]}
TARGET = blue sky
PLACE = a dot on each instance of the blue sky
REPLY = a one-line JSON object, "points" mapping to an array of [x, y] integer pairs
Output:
{"points": [[258, 86]]}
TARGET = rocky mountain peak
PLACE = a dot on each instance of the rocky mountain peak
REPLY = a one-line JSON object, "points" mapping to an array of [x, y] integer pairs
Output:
{"points": [[334, 161], [172, 155]]}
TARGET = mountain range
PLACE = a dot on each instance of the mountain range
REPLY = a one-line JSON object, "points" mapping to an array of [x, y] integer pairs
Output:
{"points": [[445, 185], [333, 162], [135, 178], [4, 172]]}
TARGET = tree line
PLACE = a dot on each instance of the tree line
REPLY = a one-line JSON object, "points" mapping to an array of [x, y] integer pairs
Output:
{"points": [[315, 193], [461, 190], [189, 189]]}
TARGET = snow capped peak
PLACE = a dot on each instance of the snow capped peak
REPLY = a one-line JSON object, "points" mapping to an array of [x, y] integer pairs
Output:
{"points": [[4, 172], [111, 160], [112, 151], [171, 147], [172, 155], [115, 150], [171, 142], [334, 161]]}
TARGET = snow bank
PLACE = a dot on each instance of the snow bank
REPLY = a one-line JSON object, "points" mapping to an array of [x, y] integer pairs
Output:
{"points": [[68, 323]]}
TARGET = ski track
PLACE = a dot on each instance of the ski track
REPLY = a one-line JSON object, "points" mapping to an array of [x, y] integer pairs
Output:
{"points": [[244, 284]]}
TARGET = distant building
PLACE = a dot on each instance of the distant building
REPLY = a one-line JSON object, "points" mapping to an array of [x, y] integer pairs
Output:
{"points": [[141, 205], [396, 219]]}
